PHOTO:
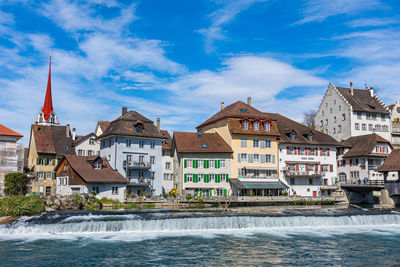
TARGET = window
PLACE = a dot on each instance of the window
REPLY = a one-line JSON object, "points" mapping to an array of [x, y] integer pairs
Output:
{"points": [[326, 121], [302, 150], [255, 143], [80, 152], [343, 117], [292, 136], [369, 116], [140, 175], [245, 125], [97, 165], [267, 126], [342, 177], [244, 110], [291, 149], [310, 181], [331, 110], [115, 190], [324, 152], [243, 157], [256, 158], [268, 158], [166, 176], [312, 151], [212, 178], [385, 128], [91, 141], [322, 123], [377, 128], [109, 143], [339, 128], [268, 143], [152, 145], [364, 127], [138, 128], [334, 101], [200, 178], [292, 181], [355, 175], [141, 143], [256, 126], [340, 107], [374, 117], [383, 117], [167, 165], [243, 142], [141, 159], [220, 192], [128, 142], [334, 130], [152, 159], [65, 147], [323, 113], [325, 167], [359, 115], [95, 189], [190, 177], [334, 119], [211, 163], [357, 126], [200, 164], [40, 175], [222, 163], [370, 128], [89, 153]]}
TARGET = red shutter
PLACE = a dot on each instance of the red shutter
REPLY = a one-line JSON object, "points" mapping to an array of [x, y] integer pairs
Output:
{"points": [[320, 152], [306, 167], [331, 168], [298, 151], [344, 163], [328, 151], [316, 168], [316, 151], [297, 166], [288, 150], [322, 167], [356, 162], [338, 164], [351, 162]]}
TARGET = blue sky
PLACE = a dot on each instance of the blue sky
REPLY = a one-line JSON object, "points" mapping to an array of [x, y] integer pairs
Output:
{"points": [[178, 60]]}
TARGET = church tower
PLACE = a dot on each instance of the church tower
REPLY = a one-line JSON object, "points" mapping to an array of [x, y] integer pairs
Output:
{"points": [[47, 116]]}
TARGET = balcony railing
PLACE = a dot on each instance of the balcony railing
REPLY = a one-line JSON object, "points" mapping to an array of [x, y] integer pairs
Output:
{"points": [[258, 177], [136, 165], [294, 173]]}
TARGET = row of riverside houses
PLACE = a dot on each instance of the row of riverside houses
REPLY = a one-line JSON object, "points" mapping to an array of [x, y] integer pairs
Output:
{"points": [[237, 151]]}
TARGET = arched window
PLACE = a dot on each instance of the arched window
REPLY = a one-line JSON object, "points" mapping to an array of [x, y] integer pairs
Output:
{"points": [[342, 177]]}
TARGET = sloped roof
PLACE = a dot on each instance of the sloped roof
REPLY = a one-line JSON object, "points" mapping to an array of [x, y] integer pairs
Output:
{"points": [[52, 139], [103, 125], [81, 138], [186, 142], [125, 125], [361, 100], [167, 144], [82, 166], [5, 131], [235, 127], [363, 145], [238, 109], [286, 126], [392, 163]]}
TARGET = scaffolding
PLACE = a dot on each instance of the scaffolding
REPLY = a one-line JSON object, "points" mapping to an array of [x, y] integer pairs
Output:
{"points": [[11, 159]]}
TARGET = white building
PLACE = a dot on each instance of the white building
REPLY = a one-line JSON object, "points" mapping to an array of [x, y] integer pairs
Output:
{"points": [[202, 164], [86, 145], [347, 112], [360, 157], [167, 162], [11, 154], [133, 145], [81, 174], [395, 123], [307, 158]]}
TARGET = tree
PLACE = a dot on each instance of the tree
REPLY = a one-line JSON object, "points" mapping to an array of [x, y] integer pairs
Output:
{"points": [[309, 118], [16, 184]]}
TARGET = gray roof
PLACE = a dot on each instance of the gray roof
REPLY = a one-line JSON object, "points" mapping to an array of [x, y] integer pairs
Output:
{"points": [[256, 185], [361, 100]]}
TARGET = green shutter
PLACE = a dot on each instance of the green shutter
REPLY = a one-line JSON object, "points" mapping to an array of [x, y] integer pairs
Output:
{"points": [[225, 193], [226, 178], [217, 178], [185, 178], [205, 164], [195, 176], [44, 175], [210, 192], [54, 175], [37, 161], [216, 164], [194, 164], [54, 162], [206, 178], [185, 164]]}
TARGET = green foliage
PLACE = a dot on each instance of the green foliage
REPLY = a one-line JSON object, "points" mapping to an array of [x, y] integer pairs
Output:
{"points": [[76, 198], [285, 194], [149, 205], [15, 184], [314, 202], [130, 206], [189, 197], [173, 192], [21, 205], [107, 201]]}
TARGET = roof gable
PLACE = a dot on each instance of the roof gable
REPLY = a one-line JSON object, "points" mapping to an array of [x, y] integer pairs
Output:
{"points": [[361, 100], [5, 131], [52, 139], [186, 142], [362, 145]]}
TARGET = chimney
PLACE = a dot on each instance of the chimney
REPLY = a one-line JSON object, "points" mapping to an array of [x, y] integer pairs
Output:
{"points": [[249, 101], [222, 105], [158, 124], [351, 88], [371, 91], [397, 102], [124, 110], [67, 130], [73, 134]]}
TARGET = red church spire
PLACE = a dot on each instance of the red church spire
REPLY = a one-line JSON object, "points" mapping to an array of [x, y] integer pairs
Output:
{"points": [[48, 103]]}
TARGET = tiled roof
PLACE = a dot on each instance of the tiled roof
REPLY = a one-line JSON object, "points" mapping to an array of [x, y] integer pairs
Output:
{"points": [[238, 109], [363, 145], [235, 127], [167, 144], [286, 126], [125, 125], [200, 143], [80, 138], [52, 139], [362, 101], [83, 167], [392, 163], [104, 125], [8, 132]]}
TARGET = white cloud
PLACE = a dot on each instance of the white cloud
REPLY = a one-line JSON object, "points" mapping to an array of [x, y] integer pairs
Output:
{"points": [[221, 17], [319, 10], [372, 22]]}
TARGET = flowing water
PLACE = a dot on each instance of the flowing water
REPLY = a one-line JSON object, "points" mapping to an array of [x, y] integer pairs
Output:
{"points": [[301, 238]]}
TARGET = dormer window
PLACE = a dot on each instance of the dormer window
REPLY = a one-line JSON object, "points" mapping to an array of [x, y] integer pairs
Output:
{"points": [[292, 136], [245, 125], [97, 165], [267, 126], [256, 126], [138, 128], [65, 147], [309, 137], [244, 110], [204, 146]]}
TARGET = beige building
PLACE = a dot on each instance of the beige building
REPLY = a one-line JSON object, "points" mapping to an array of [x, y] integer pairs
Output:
{"points": [[253, 137]]}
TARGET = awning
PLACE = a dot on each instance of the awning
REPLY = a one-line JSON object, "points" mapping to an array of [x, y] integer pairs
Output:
{"points": [[256, 185], [260, 168]]}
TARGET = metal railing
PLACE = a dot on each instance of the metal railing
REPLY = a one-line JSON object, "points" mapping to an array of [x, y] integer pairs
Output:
{"points": [[362, 182]]}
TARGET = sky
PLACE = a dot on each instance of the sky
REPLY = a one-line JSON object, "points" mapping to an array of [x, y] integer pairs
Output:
{"points": [[178, 60]]}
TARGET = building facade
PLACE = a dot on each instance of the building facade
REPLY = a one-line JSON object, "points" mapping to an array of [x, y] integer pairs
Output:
{"points": [[89, 174], [86, 145], [202, 164], [395, 123], [167, 162], [133, 145], [11, 154], [307, 158], [360, 157], [253, 137], [347, 112]]}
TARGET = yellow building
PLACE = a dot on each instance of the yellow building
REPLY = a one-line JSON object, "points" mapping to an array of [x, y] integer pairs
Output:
{"points": [[253, 137]]}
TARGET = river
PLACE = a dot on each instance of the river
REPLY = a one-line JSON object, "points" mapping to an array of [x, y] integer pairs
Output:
{"points": [[339, 237]]}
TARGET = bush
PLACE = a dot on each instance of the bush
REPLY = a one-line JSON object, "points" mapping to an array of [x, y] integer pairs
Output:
{"points": [[130, 206], [314, 202], [21, 205], [285, 194], [149, 206], [173, 192], [16, 184], [76, 198], [189, 197]]}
